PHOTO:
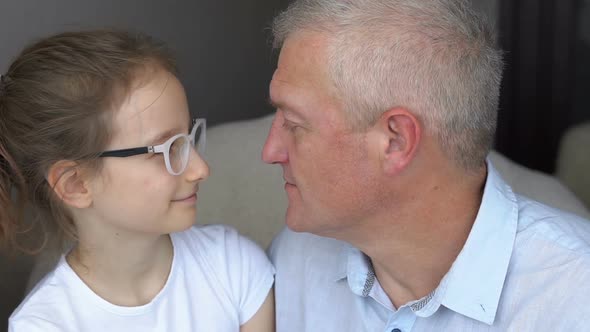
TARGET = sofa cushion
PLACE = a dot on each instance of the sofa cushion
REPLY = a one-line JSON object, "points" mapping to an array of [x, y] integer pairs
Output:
{"points": [[573, 161]]}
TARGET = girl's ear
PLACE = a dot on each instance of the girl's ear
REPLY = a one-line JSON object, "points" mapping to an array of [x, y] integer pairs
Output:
{"points": [[70, 184]]}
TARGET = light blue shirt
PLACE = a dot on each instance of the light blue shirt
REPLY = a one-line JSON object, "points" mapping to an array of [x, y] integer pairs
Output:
{"points": [[524, 267]]}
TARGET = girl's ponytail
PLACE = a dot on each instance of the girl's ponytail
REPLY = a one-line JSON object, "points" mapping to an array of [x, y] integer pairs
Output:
{"points": [[12, 197]]}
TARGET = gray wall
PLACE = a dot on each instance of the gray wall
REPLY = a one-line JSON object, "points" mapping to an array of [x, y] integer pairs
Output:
{"points": [[221, 45], [582, 71], [584, 21], [489, 8]]}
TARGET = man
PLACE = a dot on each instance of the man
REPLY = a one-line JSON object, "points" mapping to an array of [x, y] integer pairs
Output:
{"points": [[386, 111]]}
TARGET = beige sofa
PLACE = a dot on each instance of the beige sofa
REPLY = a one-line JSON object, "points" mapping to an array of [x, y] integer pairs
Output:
{"points": [[573, 161], [245, 193]]}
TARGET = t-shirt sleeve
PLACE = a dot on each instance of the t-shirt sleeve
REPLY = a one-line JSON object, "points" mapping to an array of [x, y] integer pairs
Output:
{"points": [[31, 324], [251, 274]]}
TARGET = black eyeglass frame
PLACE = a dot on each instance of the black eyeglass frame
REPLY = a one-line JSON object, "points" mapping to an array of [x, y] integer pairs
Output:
{"points": [[164, 148]]}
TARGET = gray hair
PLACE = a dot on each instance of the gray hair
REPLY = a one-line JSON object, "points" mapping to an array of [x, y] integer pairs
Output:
{"points": [[436, 58]]}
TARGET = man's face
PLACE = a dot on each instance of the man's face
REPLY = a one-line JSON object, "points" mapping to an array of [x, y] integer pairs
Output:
{"points": [[329, 178]]}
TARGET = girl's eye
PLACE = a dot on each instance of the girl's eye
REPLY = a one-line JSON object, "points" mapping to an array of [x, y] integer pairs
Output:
{"points": [[156, 155]]}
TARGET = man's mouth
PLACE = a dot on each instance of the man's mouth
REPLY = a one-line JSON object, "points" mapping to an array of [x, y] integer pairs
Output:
{"points": [[287, 181]]}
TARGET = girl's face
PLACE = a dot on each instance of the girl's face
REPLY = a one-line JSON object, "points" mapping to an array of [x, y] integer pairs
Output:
{"points": [[138, 194]]}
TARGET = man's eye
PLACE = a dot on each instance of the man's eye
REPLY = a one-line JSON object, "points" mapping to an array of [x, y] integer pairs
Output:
{"points": [[290, 126]]}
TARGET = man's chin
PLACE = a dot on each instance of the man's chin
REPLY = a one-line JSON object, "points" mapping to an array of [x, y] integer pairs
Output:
{"points": [[297, 228], [296, 222], [300, 223]]}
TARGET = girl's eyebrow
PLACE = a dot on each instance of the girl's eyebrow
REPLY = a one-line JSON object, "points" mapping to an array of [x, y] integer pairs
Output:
{"points": [[162, 137]]}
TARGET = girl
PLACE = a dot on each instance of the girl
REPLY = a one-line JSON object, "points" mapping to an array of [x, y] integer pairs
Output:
{"points": [[95, 135]]}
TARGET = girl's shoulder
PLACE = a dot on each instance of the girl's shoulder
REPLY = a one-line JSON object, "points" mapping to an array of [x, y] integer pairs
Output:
{"points": [[46, 303], [231, 263], [215, 242]]}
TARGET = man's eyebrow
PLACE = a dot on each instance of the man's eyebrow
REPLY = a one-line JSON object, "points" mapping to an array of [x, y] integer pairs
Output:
{"points": [[277, 105], [272, 103]]}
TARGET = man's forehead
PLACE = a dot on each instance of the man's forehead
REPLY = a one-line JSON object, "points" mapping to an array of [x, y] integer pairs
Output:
{"points": [[301, 82], [313, 38], [302, 48], [302, 62]]}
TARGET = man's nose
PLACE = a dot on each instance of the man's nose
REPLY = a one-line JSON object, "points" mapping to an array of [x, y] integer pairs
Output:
{"points": [[274, 150]]}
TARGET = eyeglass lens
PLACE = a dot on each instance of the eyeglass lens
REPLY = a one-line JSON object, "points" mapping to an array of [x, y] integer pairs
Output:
{"points": [[180, 150], [198, 138]]}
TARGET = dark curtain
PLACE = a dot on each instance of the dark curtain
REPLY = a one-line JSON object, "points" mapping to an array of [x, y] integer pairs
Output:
{"points": [[539, 38]]}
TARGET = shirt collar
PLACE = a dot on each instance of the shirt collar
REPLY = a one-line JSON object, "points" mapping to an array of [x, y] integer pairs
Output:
{"points": [[475, 281], [360, 273], [473, 285]]}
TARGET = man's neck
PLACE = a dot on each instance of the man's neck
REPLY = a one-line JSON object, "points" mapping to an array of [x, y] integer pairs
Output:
{"points": [[413, 247]]}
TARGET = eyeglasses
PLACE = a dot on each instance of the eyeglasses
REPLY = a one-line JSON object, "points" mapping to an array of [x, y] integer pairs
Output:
{"points": [[176, 149]]}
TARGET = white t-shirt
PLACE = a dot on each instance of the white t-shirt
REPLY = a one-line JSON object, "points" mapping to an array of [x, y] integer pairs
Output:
{"points": [[217, 282]]}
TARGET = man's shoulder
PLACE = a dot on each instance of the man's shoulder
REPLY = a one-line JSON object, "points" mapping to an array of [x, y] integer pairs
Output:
{"points": [[551, 257], [290, 247], [540, 224], [305, 255]]}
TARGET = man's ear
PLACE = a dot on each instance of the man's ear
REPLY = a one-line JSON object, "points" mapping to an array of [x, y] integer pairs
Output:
{"points": [[69, 183], [399, 133]]}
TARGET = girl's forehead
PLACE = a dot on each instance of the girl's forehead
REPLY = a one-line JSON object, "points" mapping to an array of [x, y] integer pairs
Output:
{"points": [[146, 94], [157, 104]]}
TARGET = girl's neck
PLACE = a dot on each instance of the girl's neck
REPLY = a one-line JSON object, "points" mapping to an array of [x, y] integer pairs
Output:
{"points": [[125, 272]]}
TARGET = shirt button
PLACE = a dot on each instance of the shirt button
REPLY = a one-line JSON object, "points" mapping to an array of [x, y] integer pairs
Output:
{"points": [[396, 330]]}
